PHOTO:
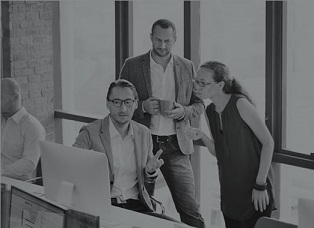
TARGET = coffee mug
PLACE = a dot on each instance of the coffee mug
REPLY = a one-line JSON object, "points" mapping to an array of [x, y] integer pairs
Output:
{"points": [[165, 105]]}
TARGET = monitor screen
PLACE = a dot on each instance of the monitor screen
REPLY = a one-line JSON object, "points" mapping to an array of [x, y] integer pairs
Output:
{"points": [[27, 210], [5, 205], [77, 178]]}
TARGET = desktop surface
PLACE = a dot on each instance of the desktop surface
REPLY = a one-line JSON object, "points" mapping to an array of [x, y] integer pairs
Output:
{"points": [[121, 218]]}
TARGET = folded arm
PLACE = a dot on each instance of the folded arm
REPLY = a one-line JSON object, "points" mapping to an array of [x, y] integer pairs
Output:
{"points": [[23, 168]]}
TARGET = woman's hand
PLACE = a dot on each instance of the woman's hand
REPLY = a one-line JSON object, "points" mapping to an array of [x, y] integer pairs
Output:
{"points": [[260, 199], [194, 133]]}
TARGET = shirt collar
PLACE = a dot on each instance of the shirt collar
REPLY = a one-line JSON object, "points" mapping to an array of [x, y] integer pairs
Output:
{"points": [[19, 115], [114, 132], [152, 61]]}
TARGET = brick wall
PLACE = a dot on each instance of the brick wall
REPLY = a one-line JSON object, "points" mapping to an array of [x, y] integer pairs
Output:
{"points": [[31, 57]]}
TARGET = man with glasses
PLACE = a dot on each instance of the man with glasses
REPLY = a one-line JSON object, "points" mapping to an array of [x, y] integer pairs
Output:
{"points": [[159, 74], [128, 146]]}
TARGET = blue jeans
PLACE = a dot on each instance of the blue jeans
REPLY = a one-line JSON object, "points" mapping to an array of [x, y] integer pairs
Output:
{"points": [[178, 173]]}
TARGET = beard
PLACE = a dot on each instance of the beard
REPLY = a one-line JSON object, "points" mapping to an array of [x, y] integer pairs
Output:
{"points": [[158, 52], [120, 120]]}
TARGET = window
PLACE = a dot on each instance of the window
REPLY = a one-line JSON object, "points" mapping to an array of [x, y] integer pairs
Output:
{"points": [[298, 95], [297, 127], [87, 58], [232, 33]]}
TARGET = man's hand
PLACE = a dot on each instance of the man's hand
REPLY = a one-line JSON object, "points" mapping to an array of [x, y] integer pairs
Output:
{"points": [[194, 133], [175, 113], [154, 163], [151, 106]]}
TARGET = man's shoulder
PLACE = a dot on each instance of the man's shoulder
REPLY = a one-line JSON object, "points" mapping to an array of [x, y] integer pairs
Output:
{"points": [[137, 58], [182, 60], [93, 126], [32, 122], [140, 127]]}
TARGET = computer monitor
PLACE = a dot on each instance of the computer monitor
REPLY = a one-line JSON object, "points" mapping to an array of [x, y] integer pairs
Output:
{"points": [[305, 213], [77, 178], [5, 205], [27, 210]]}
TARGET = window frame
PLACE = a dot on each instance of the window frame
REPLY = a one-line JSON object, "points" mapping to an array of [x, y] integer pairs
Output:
{"points": [[276, 24], [275, 65]]}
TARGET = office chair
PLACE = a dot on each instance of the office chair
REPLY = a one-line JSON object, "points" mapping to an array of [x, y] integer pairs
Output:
{"points": [[38, 179], [265, 222], [39, 175], [162, 214]]}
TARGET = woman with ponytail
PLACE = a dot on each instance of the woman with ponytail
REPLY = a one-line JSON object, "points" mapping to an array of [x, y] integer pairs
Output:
{"points": [[241, 143]]}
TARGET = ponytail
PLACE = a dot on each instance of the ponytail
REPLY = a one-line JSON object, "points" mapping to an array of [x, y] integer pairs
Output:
{"points": [[222, 74], [236, 88]]}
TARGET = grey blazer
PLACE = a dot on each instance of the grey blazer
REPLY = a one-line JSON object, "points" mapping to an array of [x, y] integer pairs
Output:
{"points": [[137, 71], [95, 136]]}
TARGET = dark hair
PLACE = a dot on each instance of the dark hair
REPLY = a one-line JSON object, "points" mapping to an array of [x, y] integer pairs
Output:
{"points": [[222, 74], [164, 23], [123, 84]]}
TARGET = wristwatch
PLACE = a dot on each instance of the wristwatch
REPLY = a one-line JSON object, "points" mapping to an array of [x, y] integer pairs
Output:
{"points": [[259, 187]]}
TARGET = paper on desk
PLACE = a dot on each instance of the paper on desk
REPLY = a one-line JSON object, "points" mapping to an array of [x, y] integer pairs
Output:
{"points": [[48, 220]]}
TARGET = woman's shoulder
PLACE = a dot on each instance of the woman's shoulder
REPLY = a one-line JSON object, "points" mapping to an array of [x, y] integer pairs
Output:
{"points": [[236, 97]]}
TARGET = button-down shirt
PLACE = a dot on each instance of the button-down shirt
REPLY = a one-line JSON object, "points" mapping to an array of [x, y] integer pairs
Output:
{"points": [[163, 87], [125, 181], [20, 152]]}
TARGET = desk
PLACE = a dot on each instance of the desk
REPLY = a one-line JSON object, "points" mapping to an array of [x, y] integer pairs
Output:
{"points": [[122, 218]]}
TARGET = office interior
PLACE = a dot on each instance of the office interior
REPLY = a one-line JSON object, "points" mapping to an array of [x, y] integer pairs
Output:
{"points": [[65, 54]]}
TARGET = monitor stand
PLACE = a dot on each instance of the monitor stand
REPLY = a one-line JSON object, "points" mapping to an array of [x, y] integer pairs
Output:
{"points": [[65, 193]]}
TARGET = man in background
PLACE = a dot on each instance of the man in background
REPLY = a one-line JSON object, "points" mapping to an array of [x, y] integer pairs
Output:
{"points": [[159, 74], [20, 134], [128, 146]]}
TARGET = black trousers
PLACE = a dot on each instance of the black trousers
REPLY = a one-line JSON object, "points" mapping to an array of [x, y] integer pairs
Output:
{"points": [[131, 204]]}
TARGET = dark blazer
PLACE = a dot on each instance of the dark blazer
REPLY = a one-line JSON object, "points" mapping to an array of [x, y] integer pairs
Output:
{"points": [[137, 71], [95, 136]]}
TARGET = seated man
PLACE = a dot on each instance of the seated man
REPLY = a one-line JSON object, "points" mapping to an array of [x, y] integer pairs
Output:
{"points": [[128, 146], [20, 134]]}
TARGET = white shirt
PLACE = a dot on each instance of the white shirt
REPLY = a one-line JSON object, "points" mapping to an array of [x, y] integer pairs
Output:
{"points": [[125, 181], [20, 152], [163, 87]]}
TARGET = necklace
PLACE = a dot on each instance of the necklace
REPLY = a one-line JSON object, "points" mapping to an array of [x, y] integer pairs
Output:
{"points": [[220, 121]]}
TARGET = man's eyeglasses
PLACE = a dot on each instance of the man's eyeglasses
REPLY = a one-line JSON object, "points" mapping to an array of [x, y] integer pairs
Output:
{"points": [[118, 102], [202, 84]]}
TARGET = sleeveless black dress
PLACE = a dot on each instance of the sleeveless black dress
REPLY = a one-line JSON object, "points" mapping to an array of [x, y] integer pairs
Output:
{"points": [[238, 154]]}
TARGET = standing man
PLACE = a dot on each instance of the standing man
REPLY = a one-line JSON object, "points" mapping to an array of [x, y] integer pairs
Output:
{"points": [[20, 134], [159, 74], [128, 146]]}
